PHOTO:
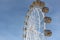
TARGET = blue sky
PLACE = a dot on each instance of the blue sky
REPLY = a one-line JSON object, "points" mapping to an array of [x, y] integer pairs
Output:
{"points": [[12, 13]]}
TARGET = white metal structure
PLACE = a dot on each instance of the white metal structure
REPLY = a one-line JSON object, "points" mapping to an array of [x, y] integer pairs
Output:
{"points": [[34, 24]]}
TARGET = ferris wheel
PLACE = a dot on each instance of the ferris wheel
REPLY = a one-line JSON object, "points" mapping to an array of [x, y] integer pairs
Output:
{"points": [[35, 22]]}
